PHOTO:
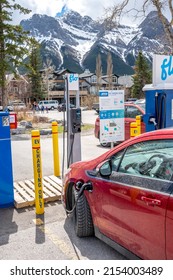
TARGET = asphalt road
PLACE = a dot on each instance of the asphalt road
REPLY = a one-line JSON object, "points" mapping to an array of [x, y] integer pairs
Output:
{"points": [[27, 236], [21, 238]]}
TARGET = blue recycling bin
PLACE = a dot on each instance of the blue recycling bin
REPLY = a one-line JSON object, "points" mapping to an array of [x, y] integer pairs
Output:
{"points": [[6, 173]]}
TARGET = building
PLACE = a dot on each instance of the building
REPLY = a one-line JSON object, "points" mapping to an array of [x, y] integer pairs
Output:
{"points": [[19, 87]]}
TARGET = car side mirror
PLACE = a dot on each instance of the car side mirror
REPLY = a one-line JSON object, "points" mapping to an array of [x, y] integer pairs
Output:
{"points": [[106, 169]]}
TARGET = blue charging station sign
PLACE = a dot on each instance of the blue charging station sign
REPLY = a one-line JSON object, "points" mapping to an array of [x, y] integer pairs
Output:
{"points": [[162, 69], [73, 81], [111, 111]]}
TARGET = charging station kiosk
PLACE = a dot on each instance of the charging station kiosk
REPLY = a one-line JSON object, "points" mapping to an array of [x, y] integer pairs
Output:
{"points": [[159, 107], [73, 120], [6, 174], [159, 95]]}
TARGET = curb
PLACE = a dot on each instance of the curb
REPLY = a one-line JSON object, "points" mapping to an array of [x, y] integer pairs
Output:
{"points": [[44, 132]]}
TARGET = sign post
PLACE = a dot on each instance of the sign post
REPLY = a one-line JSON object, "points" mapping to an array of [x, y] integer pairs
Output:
{"points": [[37, 167]]}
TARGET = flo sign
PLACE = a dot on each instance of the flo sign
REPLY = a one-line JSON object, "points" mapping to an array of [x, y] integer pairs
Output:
{"points": [[73, 81], [162, 69]]}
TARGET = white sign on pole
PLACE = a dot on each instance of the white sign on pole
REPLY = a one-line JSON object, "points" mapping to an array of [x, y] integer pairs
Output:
{"points": [[73, 81], [162, 69], [111, 107]]}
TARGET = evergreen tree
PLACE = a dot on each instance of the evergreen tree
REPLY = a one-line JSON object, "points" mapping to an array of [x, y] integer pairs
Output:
{"points": [[13, 40], [35, 64], [142, 76]]}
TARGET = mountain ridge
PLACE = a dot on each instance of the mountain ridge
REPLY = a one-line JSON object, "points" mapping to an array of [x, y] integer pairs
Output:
{"points": [[74, 41]]}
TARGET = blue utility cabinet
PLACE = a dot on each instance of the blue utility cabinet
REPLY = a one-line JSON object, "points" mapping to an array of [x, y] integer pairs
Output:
{"points": [[6, 173], [159, 107]]}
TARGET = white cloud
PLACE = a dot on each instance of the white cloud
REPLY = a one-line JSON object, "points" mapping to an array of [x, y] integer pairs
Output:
{"points": [[92, 8]]}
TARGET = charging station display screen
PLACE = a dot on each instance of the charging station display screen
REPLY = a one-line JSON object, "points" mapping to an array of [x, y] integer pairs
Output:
{"points": [[111, 111]]}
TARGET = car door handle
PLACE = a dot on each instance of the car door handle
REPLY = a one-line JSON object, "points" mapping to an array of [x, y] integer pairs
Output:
{"points": [[151, 201]]}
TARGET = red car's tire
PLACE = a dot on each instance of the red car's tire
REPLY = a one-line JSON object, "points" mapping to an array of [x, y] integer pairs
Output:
{"points": [[82, 216]]}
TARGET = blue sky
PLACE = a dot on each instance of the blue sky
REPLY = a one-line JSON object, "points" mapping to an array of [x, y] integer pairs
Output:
{"points": [[63, 11]]}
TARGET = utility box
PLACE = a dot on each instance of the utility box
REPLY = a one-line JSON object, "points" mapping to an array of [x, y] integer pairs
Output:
{"points": [[159, 94], [159, 106], [13, 120], [6, 173]]}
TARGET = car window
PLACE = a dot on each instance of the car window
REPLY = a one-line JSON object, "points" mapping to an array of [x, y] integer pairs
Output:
{"points": [[151, 158], [131, 112], [116, 159], [142, 106]]}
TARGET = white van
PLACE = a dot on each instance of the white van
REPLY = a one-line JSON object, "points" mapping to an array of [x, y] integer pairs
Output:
{"points": [[48, 104], [16, 105]]}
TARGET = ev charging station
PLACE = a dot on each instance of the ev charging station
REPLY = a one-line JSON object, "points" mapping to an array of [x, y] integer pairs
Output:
{"points": [[159, 94], [73, 120]]}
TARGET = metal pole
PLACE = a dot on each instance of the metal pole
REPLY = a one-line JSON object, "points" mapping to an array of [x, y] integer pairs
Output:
{"points": [[68, 124], [37, 166], [56, 157], [138, 122]]}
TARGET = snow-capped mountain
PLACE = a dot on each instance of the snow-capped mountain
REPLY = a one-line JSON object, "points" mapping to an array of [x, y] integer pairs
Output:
{"points": [[73, 41]]}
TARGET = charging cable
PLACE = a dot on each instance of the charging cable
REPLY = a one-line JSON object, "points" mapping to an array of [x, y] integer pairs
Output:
{"points": [[80, 188]]}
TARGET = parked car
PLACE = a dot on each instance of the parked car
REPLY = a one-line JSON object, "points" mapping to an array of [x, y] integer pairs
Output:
{"points": [[131, 100], [62, 107], [96, 107], [16, 105], [125, 196], [140, 101], [131, 111], [48, 104]]}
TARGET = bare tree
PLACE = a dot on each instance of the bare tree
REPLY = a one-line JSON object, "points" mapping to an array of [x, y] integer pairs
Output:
{"points": [[115, 13], [98, 72], [48, 70], [109, 70]]}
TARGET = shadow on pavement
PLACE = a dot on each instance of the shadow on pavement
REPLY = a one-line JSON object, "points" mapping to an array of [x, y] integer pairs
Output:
{"points": [[7, 225], [40, 229], [90, 247]]}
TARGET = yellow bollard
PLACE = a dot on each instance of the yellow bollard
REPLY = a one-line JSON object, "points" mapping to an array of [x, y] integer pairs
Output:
{"points": [[133, 129], [56, 159], [138, 121], [37, 166]]}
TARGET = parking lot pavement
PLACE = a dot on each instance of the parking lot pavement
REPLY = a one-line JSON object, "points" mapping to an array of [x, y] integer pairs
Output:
{"points": [[27, 236]]}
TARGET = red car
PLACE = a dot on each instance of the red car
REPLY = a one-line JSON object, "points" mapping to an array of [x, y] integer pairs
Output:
{"points": [[131, 111], [125, 196]]}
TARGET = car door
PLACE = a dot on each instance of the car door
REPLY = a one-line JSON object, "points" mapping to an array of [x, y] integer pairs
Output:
{"points": [[131, 111], [133, 199]]}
